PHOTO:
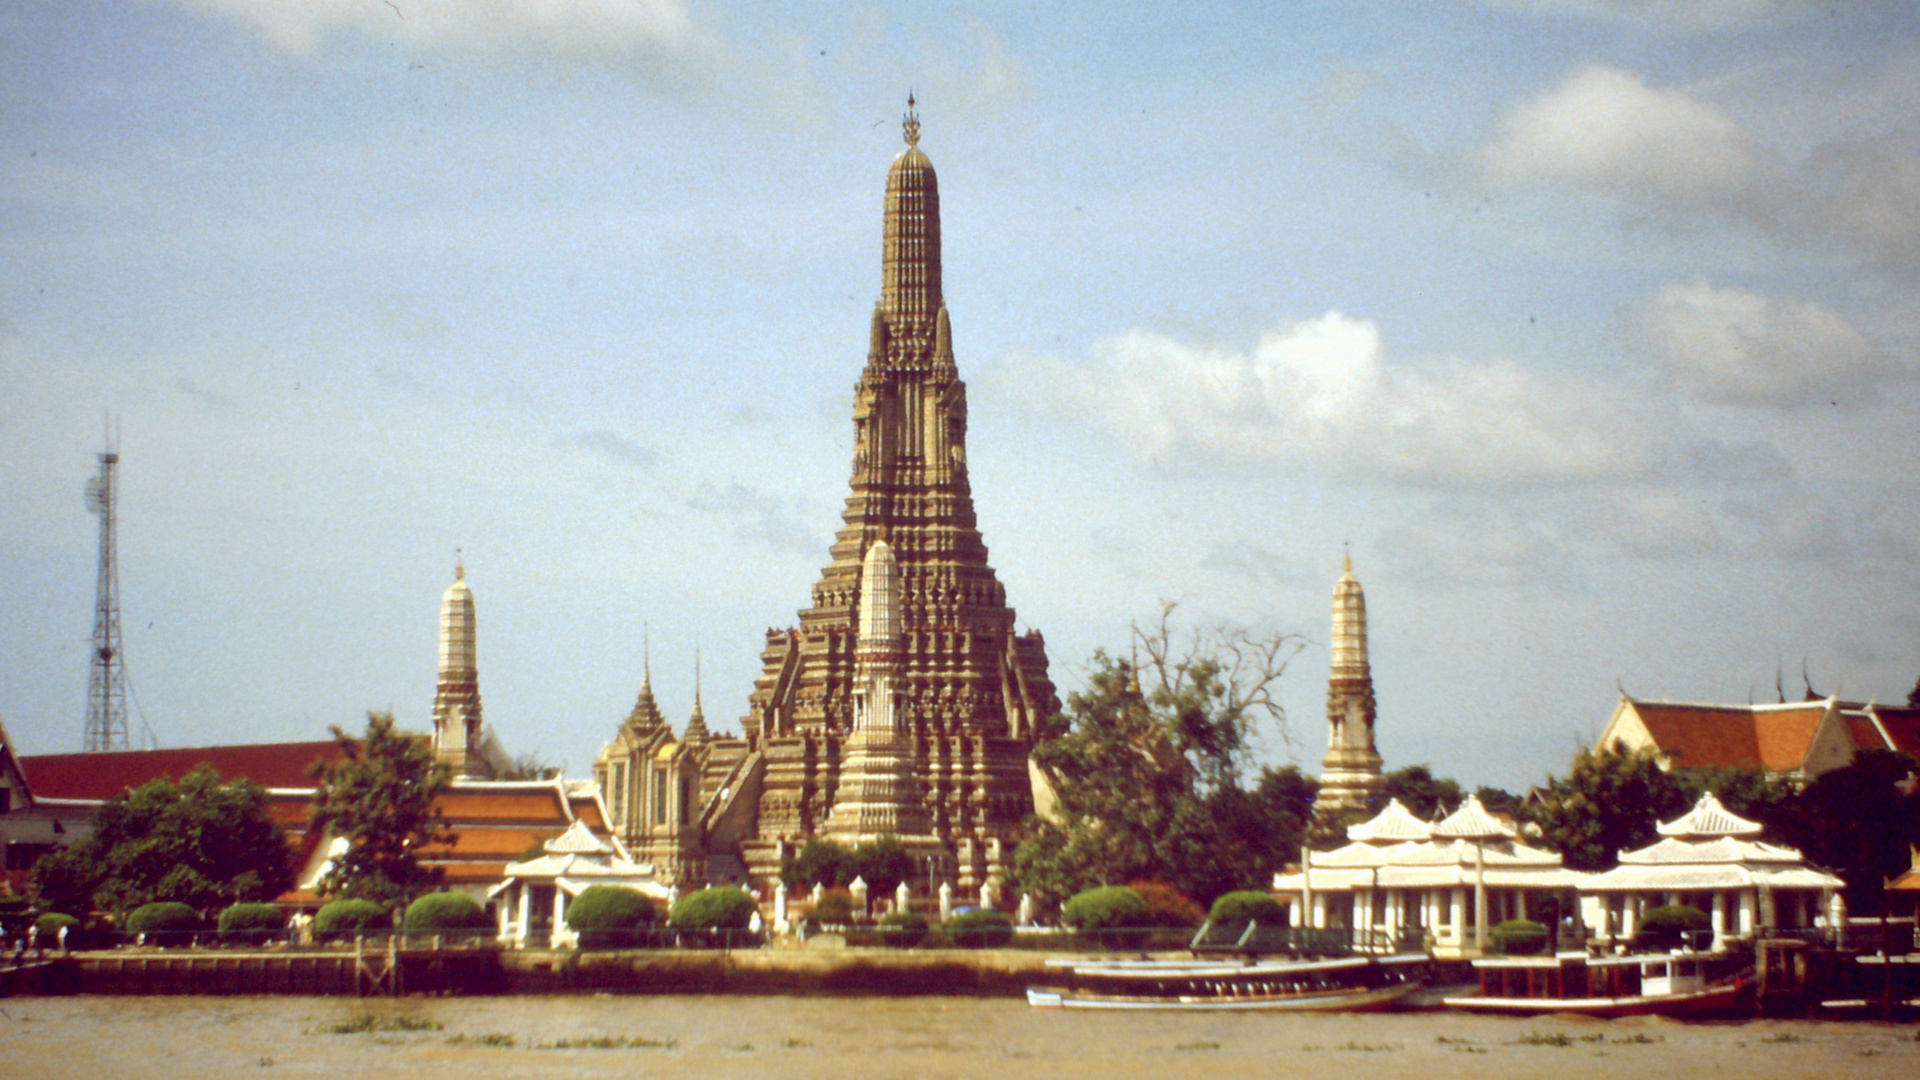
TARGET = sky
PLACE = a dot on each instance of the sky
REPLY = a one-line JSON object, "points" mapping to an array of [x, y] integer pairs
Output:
{"points": [[1588, 327]]}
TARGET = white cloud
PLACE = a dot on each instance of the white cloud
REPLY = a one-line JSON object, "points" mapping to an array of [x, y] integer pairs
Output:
{"points": [[1872, 191], [1674, 16], [1606, 130], [1731, 345], [578, 29], [1321, 393]]}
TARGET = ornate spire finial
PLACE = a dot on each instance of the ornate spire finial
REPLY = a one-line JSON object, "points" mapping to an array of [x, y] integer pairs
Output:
{"points": [[696, 678], [911, 122], [1347, 553], [646, 655], [459, 566]]}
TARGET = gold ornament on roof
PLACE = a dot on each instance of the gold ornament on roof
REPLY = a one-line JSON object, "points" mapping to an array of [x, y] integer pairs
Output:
{"points": [[911, 122]]}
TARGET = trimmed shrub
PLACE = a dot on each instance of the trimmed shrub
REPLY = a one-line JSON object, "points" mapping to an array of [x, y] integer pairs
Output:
{"points": [[834, 909], [1520, 937], [165, 922], [821, 862], [1671, 926], [1240, 908], [340, 920], [1167, 906], [611, 916], [1115, 914], [723, 907], [48, 931], [903, 929], [443, 913], [980, 929], [251, 924]]}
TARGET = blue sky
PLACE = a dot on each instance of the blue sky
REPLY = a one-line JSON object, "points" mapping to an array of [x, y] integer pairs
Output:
{"points": [[1589, 325]]}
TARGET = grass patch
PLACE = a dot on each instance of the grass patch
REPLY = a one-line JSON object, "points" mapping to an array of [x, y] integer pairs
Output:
{"points": [[1639, 1038], [491, 1038], [608, 1042], [1368, 1048], [1543, 1038], [795, 1042], [1198, 1046], [1781, 1037], [1469, 1049], [1311, 1048], [367, 1024], [1444, 1041]]}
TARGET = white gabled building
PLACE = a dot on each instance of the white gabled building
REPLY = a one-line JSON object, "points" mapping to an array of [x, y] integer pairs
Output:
{"points": [[537, 891], [1451, 882], [1711, 859]]}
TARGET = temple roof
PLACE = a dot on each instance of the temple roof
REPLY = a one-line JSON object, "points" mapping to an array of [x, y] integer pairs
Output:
{"points": [[1391, 825], [101, 776], [1472, 822], [1708, 819], [1772, 737]]}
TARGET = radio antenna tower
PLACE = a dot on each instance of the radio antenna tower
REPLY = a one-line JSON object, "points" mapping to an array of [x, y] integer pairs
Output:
{"points": [[107, 684]]}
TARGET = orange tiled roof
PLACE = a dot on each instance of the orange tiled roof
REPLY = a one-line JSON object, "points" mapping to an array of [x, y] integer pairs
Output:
{"points": [[1771, 738], [532, 805], [476, 841], [101, 776], [1903, 727]]}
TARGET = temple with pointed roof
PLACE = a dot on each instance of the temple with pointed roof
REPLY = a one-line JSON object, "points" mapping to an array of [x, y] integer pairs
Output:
{"points": [[905, 701], [1351, 769]]}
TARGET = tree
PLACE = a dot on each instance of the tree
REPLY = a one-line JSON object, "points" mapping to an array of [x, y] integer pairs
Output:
{"points": [[1749, 791], [1609, 801], [1149, 770], [1859, 821], [381, 796], [532, 765], [883, 864], [822, 862], [201, 841]]}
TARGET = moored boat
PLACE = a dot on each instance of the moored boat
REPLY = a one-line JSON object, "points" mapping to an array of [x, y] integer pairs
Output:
{"points": [[1348, 984], [1660, 984]]}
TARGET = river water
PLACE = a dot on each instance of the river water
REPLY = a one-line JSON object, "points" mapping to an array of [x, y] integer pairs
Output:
{"points": [[268, 1038]]}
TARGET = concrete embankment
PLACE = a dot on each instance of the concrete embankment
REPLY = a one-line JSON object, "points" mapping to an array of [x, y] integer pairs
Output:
{"points": [[984, 973]]}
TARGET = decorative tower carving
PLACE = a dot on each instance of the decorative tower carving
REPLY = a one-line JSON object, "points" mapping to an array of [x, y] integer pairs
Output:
{"points": [[456, 703], [970, 691], [1352, 765], [878, 794]]}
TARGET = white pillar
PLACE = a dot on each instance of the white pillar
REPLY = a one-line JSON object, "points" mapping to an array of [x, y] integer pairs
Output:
{"points": [[505, 910], [526, 914], [1747, 907], [859, 891], [559, 916], [986, 895], [780, 904], [902, 898], [1719, 917], [1457, 900], [1629, 915], [1479, 897], [1026, 909], [946, 901]]}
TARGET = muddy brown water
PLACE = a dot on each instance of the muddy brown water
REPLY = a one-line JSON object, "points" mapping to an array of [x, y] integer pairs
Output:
{"points": [[266, 1038]]}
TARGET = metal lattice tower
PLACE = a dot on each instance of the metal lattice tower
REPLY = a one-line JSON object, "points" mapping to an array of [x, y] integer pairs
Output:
{"points": [[107, 684]]}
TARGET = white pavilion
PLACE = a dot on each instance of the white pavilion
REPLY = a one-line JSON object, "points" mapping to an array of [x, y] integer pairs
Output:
{"points": [[1710, 859], [536, 891], [1451, 881]]}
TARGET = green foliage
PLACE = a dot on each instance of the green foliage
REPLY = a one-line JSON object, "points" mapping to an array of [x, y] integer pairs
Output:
{"points": [[1669, 927], [1859, 822], [382, 797], [1423, 794], [251, 924], [201, 842], [1519, 937], [1245, 906], [165, 921], [835, 908], [611, 916], [1167, 906], [340, 920], [47, 930], [442, 912], [1115, 914], [1151, 773], [903, 929], [1609, 802], [722, 907], [980, 929], [821, 862], [883, 864]]}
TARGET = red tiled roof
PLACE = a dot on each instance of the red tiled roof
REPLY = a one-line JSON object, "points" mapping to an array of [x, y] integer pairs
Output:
{"points": [[531, 805], [1864, 733], [1693, 736], [103, 775], [1903, 727]]}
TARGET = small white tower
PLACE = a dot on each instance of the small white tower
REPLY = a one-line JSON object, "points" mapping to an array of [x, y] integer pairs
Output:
{"points": [[1352, 765], [456, 703]]}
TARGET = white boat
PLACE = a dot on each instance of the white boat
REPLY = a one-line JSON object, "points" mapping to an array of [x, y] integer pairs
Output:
{"points": [[1663, 984], [1350, 984]]}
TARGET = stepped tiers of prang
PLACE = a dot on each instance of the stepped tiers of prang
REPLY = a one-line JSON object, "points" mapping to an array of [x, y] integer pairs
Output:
{"points": [[904, 702]]}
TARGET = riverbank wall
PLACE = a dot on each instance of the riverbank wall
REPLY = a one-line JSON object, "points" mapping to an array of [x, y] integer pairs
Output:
{"points": [[880, 972]]}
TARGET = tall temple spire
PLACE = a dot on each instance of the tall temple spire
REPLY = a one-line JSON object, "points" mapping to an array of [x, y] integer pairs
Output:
{"points": [[646, 712], [1352, 765], [456, 701], [963, 691], [697, 723]]}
